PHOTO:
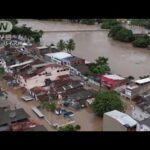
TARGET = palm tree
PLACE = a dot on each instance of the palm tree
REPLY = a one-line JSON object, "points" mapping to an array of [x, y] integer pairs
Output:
{"points": [[61, 45], [70, 45]]}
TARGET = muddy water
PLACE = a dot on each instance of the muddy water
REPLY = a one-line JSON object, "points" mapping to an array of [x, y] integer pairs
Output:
{"points": [[123, 58]]}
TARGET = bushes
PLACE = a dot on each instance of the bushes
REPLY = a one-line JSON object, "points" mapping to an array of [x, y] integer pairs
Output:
{"points": [[88, 21], [109, 23], [142, 42], [121, 34], [70, 127]]}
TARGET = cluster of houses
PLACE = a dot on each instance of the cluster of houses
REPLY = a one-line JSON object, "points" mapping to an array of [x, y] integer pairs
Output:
{"points": [[53, 78]]}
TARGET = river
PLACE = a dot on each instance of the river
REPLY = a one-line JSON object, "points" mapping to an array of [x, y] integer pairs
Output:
{"points": [[124, 59]]}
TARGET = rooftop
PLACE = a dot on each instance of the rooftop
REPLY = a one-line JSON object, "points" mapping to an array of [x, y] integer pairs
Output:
{"points": [[114, 77], [142, 81], [5, 118], [42, 47], [59, 55], [73, 58], [123, 118]]}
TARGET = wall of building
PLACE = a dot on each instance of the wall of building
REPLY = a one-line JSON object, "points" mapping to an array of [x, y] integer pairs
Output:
{"points": [[39, 80], [110, 124]]}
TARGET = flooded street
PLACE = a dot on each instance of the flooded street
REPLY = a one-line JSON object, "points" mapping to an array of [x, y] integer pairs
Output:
{"points": [[123, 58]]}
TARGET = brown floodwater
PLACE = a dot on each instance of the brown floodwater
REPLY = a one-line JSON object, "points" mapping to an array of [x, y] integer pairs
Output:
{"points": [[123, 58]]}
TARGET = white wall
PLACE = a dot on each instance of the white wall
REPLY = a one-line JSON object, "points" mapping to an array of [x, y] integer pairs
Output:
{"points": [[40, 80]]}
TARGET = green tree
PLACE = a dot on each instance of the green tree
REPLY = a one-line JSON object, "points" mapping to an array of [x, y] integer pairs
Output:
{"points": [[70, 127], [100, 66], [88, 21], [106, 101], [70, 45], [121, 34], [61, 45], [141, 41], [109, 23]]}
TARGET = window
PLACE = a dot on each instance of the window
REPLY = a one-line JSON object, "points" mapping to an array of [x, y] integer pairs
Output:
{"points": [[48, 74], [57, 70]]}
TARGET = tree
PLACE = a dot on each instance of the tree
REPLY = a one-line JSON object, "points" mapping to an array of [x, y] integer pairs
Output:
{"points": [[88, 21], [106, 101], [130, 78], [100, 66], [61, 45], [70, 45], [70, 127], [142, 42], [109, 23], [121, 34]]}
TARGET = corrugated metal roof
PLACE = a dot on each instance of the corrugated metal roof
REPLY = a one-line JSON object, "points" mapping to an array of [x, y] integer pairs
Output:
{"points": [[59, 55], [123, 118], [114, 77], [142, 81]]}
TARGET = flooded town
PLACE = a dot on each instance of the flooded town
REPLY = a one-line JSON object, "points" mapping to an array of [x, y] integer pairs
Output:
{"points": [[75, 75]]}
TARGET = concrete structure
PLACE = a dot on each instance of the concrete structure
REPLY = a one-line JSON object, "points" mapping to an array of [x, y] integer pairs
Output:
{"points": [[111, 81], [118, 121], [137, 88], [37, 77], [57, 57]]}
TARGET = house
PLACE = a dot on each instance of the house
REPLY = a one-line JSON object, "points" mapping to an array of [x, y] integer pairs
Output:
{"points": [[42, 50], [111, 81], [37, 91], [138, 87], [7, 118], [73, 60], [37, 75], [57, 57], [118, 121]]}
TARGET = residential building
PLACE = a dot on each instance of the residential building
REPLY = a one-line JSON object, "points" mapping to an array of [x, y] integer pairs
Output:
{"points": [[111, 81], [138, 87], [7, 118], [118, 121], [37, 75], [57, 57]]}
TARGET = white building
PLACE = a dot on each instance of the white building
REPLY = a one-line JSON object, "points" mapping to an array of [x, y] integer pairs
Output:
{"points": [[118, 121], [57, 57], [38, 76]]}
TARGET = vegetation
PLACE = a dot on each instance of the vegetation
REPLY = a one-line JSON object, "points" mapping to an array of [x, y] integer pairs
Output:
{"points": [[88, 21], [109, 23], [46, 105], [2, 71], [70, 45], [61, 45], [100, 66], [106, 101], [142, 42], [121, 34], [70, 127], [143, 77], [141, 22], [130, 78]]}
